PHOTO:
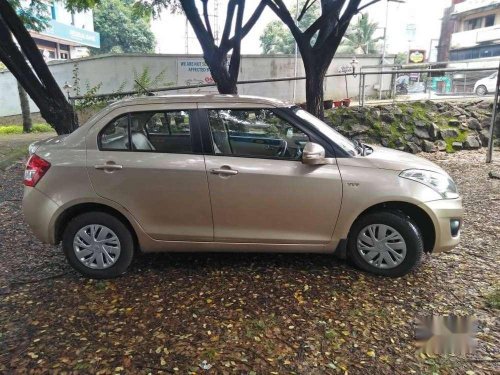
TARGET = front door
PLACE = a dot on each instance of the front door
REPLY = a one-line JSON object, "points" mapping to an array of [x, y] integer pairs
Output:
{"points": [[259, 189], [147, 162]]}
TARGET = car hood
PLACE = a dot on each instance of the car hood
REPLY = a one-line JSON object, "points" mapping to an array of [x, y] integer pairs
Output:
{"points": [[386, 158]]}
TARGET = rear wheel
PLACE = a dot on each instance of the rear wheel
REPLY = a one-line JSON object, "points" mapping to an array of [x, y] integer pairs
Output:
{"points": [[98, 245], [481, 90], [385, 243]]}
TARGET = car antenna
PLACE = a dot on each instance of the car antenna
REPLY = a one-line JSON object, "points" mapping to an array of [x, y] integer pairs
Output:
{"points": [[148, 93]]}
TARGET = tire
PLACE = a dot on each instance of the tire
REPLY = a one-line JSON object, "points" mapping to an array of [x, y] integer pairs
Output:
{"points": [[393, 222], [117, 232], [481, 90]]}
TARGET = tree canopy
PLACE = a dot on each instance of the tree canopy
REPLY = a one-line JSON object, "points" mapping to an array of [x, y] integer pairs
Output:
{"points": [[359, 37], [121, 29]]}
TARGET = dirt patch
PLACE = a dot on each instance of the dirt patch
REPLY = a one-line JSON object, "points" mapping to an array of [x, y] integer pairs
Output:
{"points": [[245, 313]]}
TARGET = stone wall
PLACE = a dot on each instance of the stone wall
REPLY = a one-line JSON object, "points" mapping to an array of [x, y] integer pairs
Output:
{"points": [[419, 126]]}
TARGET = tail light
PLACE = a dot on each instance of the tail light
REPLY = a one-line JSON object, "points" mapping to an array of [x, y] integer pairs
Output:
{"points": [[36, 167]]}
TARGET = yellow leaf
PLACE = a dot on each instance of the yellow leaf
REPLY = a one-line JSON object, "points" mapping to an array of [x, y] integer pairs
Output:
{"points": [[209, 300], [371, 353], [162, 361]]}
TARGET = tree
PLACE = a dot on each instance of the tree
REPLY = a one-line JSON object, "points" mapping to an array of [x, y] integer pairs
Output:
{"points": [[25, 109], [121, 29], [277, 38], [224, 69], [319, 42], [359, 37], [223, 59], [26, 63], [33, 17]]}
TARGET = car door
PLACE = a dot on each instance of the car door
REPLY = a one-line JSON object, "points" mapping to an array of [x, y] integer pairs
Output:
{"points": [[148, 160], [259, 188], [492, 82]]}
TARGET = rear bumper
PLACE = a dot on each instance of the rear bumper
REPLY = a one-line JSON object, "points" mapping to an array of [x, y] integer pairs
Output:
{"points": [[39, 211], [442, 213]]}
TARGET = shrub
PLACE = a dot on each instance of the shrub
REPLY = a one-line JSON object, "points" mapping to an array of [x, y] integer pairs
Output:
{"points": [[18, 129]]}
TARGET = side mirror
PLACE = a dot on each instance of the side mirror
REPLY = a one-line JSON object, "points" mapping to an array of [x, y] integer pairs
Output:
{"points": [[314, 154]]}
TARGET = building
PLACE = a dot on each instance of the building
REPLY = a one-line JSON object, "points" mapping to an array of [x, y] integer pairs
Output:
{"points": [[470, 30], [69, 34]]}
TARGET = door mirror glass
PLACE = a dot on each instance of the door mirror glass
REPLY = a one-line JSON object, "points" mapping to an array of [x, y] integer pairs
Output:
{"points": [[314, 154]]}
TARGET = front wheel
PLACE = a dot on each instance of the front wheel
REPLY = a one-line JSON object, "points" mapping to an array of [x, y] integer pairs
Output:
{"points": [[98, 245], [385, 243]]}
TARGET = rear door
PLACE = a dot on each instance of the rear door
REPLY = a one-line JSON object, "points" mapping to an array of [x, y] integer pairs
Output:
{"points": [[148, 159], [259, 188]]}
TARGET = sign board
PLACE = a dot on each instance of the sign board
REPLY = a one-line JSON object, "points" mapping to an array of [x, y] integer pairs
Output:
{"points": [[416, 56], [192, 72], [72, 34], [346, 69]]}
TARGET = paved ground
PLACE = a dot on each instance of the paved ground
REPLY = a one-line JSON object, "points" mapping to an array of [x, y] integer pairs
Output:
{"points": [[248, 314]]}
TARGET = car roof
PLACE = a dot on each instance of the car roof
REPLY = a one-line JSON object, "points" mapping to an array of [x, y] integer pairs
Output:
{"points": [[201, 98]]}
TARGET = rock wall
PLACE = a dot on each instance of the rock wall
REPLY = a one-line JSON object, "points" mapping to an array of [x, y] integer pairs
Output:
{"points": [[418, 126]]}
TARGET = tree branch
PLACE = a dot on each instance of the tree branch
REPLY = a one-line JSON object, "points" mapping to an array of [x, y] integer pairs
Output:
{"points": [[207, 20], [305, 8], [231, 5], [249, 24], [30, 50], [366, 5], [234, 64], [279, 7]]}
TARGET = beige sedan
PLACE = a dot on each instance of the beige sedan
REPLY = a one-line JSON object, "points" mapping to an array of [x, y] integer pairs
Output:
{"points": [[232, 173]]}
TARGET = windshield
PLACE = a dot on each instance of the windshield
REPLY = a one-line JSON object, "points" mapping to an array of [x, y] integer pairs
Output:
{"points": [[335, 136]]}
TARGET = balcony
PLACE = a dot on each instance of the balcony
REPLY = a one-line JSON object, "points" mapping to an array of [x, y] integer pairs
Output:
{"points": [[472, 38]]}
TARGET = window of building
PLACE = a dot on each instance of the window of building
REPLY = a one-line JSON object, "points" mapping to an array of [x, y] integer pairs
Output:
{"points": [[53, 11], [473, 23], [255, 133], [489, 20], [63, 55]]}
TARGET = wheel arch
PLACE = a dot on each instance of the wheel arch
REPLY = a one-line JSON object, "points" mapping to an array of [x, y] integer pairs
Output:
{"points": [[419, 216], [69, 213]]}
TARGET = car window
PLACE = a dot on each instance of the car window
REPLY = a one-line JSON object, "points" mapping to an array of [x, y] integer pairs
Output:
{"points": [[115, 135], [165, 131], [255, 133]]}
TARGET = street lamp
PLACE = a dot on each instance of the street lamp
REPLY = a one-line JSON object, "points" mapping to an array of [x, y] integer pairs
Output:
{"points": [[67, 87]]}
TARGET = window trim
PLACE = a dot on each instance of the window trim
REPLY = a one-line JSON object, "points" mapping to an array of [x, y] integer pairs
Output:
{"points": [[283, 113], [196, 148]]}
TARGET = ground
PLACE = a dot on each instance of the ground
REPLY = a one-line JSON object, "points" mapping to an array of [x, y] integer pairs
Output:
{"points": [[244, 313]]}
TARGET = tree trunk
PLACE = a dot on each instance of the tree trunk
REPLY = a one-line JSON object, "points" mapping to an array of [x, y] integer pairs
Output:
{"points": [[218, 68], [25, 108], [314, 92], [35, 76]]}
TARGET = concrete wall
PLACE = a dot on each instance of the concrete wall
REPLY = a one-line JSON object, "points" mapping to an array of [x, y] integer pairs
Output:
{"points": [[114, 71]]}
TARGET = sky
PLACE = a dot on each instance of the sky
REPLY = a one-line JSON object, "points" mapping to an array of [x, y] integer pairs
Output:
{"points": [[425, 15]]}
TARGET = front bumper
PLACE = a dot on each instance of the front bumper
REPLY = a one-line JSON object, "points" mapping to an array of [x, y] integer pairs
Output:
{"points": [[442, 213], [39, 211]]}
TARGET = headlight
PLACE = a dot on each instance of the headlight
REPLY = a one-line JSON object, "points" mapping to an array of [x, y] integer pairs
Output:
{"points": [[440, 183], [32, 148]]}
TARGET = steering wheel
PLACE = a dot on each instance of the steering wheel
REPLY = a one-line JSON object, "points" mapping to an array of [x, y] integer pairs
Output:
{"points": [[282, 148]]}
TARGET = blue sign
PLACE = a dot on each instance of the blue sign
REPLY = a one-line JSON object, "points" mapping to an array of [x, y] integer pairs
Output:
{"points": [[72, 34]]}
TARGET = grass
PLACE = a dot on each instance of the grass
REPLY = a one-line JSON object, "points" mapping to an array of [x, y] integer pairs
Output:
{"points": [[18, 129], [12, 155], [493, 298]]}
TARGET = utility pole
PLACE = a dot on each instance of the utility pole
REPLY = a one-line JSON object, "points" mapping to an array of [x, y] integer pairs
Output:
{"points": [[385, 43]]}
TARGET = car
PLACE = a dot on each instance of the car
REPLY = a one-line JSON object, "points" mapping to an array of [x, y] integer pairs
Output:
{"points": [[486, 85], [232, 173]]}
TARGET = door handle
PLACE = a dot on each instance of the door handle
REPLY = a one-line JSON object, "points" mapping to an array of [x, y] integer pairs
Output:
{"points": [[108, 166], [224, 171]]}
